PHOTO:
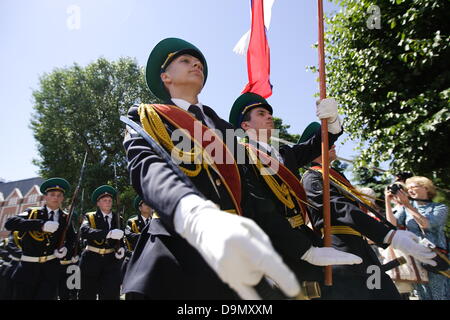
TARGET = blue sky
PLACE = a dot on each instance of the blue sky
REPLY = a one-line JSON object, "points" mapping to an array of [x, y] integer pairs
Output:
{"points": [[38, 36]]}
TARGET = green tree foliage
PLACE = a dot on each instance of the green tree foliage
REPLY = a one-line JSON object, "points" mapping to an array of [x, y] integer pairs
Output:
{"points": [[393, 82], [339, 165], [77, 110], [372, 179], [283, 133]]}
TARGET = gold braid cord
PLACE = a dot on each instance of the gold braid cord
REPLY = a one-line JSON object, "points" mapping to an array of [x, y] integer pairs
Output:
{"points": [[154, 126], [37, 235], [134, 227], [91, 219], [281, 191]]}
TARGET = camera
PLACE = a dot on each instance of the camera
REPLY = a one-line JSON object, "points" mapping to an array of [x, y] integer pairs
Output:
{"points": [[394, 188]]}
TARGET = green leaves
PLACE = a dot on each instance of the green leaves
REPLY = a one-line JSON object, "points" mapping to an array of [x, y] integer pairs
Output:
{"points": [[77, 109], [393, 83]]}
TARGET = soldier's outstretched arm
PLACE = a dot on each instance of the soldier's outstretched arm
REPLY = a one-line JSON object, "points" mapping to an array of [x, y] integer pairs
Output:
{"points": [[89, 233], [23, 224], [233, 246], [310, 149], [290, 242]]}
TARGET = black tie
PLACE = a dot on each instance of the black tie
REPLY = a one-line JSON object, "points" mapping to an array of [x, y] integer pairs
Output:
{"points": [[197, 113], [50, 215], [107, 221]]}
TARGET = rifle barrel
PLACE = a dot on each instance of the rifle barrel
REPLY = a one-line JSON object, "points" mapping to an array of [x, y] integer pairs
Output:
{"points": [[72, 204]]}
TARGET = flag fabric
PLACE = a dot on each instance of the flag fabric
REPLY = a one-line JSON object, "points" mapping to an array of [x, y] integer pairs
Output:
{"points": [[242, 45], [258, 54]]}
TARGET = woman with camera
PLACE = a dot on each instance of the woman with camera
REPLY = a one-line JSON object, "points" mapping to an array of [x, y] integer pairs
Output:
{"points": [[425, 218]]}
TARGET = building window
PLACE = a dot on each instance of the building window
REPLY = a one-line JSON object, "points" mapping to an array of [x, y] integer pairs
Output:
{"points": [[32, 198], [13, 201]]}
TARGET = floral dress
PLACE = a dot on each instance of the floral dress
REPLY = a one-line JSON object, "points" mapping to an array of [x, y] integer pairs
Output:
{"points": [[438, 287]]}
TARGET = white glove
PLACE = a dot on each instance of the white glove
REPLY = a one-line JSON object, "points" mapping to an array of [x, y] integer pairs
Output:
{"points": [[75, 259], [408, 243], [233, 246], [50, 226], [115, 234], [328, 109], [60, 253], [120, 253], [329, 256]]}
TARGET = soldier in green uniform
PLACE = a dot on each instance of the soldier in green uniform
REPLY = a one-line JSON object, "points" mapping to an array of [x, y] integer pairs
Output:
{"points": [[12, 259], [200, 246], [102, 257], [39, 231], [134, 227], [136, 224], [350, 229], [282, 210]]}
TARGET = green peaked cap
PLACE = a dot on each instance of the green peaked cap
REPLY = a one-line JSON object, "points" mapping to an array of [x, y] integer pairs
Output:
{"points": [[137, 201], [309, 132], [161, 56], [55, 184], [243, 104], [103, 191]]}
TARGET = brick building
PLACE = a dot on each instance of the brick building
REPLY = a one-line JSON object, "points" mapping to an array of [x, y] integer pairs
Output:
{"points": [[16, 196]]}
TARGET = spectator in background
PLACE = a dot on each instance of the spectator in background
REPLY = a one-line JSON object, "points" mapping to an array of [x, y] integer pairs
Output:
{"points": [[426, 219], [411, 272]]}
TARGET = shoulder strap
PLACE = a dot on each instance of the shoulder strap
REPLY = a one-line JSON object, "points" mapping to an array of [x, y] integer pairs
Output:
{"points": [[134, 226], [91, 218]]}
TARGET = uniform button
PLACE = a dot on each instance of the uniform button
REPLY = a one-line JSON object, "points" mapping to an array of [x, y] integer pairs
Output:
{"points": [[218, 182]]}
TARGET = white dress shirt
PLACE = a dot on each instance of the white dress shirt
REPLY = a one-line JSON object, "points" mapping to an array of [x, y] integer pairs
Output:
{"points": [[109, 215], [183, 104], [55, 214]]}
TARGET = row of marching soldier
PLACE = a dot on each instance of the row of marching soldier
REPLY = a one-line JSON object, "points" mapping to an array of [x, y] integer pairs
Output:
{"points": [[89, 264]]}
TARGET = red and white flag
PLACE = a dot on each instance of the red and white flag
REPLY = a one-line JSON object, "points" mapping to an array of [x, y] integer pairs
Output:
{"points": [[242, 45], [258, 53]]}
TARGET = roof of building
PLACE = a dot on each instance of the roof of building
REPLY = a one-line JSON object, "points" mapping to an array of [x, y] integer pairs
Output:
{"points": [[23, 185]]}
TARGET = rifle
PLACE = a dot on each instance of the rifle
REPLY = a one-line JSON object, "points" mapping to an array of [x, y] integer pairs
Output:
{"points": [[117, 245], [80, 221], [72, 205]]}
